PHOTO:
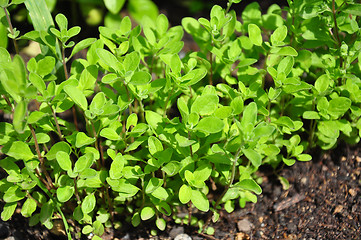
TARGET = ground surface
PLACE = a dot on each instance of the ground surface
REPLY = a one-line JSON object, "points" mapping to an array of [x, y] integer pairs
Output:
{"points": [[323, 202]]}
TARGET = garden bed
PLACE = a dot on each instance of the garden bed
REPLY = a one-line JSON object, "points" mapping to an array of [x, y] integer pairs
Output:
{"points": [[323, 202]]}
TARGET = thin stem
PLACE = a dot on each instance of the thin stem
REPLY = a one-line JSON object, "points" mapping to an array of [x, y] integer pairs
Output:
{"points": [[167, 101], [141, 110], [41, 159], [75, 118], [233, 174], [8, 103], [56, 122], [189, 213], [11, 31], [101, 160], [110, 204], [76, 191], [64, 63], [211, 76], [190, 146], [229, 4], [335, 22]]}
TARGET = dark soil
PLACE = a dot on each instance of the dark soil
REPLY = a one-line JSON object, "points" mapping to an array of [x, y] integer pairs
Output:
{"points": [[323, 202]]}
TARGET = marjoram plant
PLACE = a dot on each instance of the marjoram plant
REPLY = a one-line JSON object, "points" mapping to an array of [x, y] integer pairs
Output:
{"points": [[134, 132]]}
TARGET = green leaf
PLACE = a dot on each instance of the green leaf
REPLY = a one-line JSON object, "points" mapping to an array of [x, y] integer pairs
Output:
{"points": [[19, 116], [162, 24], [140, 78], [237, 105], [97, 104], [254, 33], [64, 193], [205, 104], [279, 35], [87, 229], [200, 200], [329, 129], [82, 140], [82, 45], [183, 141], [161, 224], [8, 211], [116, 167], [28, 207], [210, 125], [160, 193], [63, 160], [304, 157], [286, 122], [18, 150], [339, 106], [131, 61], [253, 156], [84, 162], [46, 212], [109, 59], [13, 194], [77, 96], [251, 185], [88, 204], [249, 115], [123, 186], [185, 193], [175, 64], [284, 182], [285, 66], [136, 219], [45, 66], [285, 51], [140, 8], [38, 82], [110, 134], [62, 21], [132, 120], [310, 115], [58, 147], [153, 118], [147, 213], [354, 9], [98, 228], [322, 83], [114, 6], [87, 80], [154, 145], [153, 184]]}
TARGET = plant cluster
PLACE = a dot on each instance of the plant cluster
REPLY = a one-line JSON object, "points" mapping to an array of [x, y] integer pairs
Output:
{"points": [[136, 132]]}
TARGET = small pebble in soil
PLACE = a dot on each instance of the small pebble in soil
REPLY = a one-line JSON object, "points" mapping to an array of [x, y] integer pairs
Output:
{"points": [[244, 225], [4, 230], [183, 236], [176, 231]]}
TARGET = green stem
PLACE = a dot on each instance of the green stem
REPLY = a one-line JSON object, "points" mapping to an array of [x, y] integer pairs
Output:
{"points": [[11, 31], [335, 22], [64, 62], [167, 101], [233, 174], [56, 122], [8, 103], [229, 4], [49, 182], [211, 70], [56, 203]]}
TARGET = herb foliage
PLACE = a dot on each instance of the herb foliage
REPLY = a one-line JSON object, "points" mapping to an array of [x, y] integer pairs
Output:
{"points": [[152, 132]]}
